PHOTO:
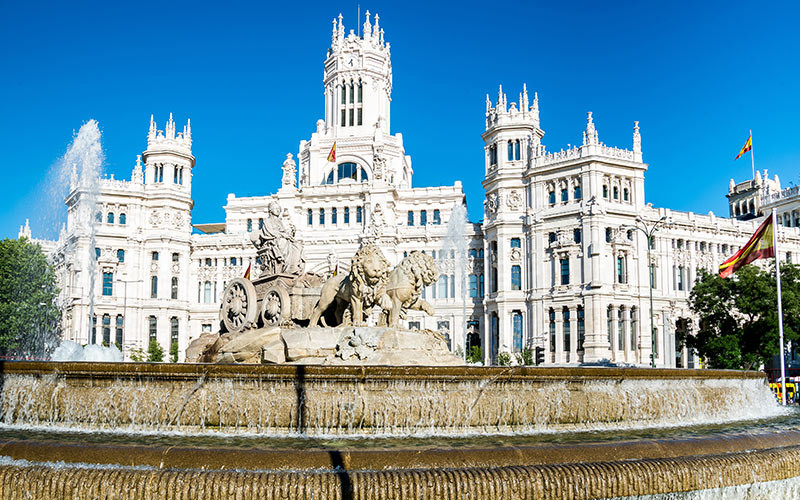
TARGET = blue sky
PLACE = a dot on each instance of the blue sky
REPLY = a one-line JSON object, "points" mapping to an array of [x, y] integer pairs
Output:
{"points": [[697, 75]]}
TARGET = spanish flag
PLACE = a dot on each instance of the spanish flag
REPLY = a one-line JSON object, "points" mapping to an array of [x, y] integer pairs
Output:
{"points": [[332, 154], [247, 273], [760, 246], [747, 147]]}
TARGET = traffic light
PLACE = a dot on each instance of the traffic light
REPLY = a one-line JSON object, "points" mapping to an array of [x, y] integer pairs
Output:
{"points": [[539, 356]]}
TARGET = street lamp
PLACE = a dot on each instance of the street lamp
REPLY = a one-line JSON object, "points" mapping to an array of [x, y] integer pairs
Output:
{"points": [[649, 231]]}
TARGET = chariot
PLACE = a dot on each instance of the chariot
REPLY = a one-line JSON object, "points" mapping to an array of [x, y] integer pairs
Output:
{"points": [[275, 299]]}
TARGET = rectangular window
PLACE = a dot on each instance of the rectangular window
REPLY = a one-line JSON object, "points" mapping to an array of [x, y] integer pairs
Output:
{"points": [[437, 218], [564, 195], [576, 235], [322, 216], [347, 215], [567, 329], [621, 329], [153, 328], [551, 197], [359, 215], [608, 235], [333, 215], [153, 287], [473, 286], [516, 150], [515, 243], [118, 332], [106, 329], [577, 193], [481, 286], [175, 257], [516, 321], [360, 92], [360, 116], [154, 255], [581, 329], [510, 151], [174, 288], [310, 217], [423, 218], [621, 269], [352, 114], [173, 330], [552, 330], [413, 325], [343, 117], [565, 271], [410, 217], [108, 283], [516, 277], [680, 277]]}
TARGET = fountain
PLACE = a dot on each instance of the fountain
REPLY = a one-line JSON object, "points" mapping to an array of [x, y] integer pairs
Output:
{"points": [[306, 400]]}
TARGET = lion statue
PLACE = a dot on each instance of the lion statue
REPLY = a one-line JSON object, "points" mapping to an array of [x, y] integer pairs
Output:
{"points": [[355, 292], [404, 287]]}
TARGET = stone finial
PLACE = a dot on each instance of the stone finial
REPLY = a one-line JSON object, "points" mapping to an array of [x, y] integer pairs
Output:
{"points": [[367, 27], [590, 135], [187, 131], [500, 97], [637, 138], [169, 128], [523, 99], [535, 107], [376, 29], [137, 176], [488, 103], [731, 186], [334, 32], [25, 230], [151, 133], [759, 180]]}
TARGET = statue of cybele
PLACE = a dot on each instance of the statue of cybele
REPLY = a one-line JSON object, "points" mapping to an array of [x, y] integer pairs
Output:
{"points": [[277, 249]]}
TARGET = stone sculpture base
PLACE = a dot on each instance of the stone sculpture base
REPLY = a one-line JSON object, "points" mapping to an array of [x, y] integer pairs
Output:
{"points": [[344, 345]]}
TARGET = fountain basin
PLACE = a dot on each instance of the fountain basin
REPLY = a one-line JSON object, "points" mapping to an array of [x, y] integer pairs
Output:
{"points": [[89, 430]]}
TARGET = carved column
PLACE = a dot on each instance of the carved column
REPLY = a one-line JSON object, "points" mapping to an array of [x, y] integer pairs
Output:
{"points": [[626, 328], [612, 331], [559, 357]]}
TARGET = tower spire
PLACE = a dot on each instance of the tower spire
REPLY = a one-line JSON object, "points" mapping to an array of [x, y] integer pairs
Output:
{"points": [[637, 139], [590, 134], [367, 27]]}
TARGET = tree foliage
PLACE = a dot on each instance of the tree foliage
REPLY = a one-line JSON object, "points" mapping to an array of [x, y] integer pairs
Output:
{"points": [[29, 316], [173, 352], [155, 353], [738, 316]]}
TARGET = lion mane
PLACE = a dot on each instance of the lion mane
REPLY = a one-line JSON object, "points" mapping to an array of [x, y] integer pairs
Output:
{"points": [[420, 269], [366, 287]]}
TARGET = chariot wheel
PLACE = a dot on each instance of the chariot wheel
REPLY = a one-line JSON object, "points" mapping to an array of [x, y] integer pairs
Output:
{"points": [[275, 306], [239, 305]]}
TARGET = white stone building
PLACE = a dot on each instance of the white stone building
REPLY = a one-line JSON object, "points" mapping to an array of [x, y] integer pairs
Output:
{"points": [[565, 268]]}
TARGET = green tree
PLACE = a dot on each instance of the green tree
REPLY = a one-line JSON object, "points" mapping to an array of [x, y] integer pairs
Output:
{"points": [[155, 353], [738, 316], [29, 317], [173, 353]]}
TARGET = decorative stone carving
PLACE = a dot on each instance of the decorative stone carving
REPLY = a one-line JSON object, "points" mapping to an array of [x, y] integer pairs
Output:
{"points": [[492, 203], [514, 200], [516, 255], [356, 292], [377, 223], [405, 284], [378, 164], [276, 246], [356, 345], [289, 172]]}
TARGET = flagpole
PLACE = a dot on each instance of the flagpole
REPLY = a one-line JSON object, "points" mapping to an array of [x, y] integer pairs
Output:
{"points": [[780, 302], [752, 154]]}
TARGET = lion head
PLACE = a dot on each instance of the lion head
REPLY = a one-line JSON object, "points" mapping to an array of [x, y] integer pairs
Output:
{"points": [[369, 270], [420, 268]]}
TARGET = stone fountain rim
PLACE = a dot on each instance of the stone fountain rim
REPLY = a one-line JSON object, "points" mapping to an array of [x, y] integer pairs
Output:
{"points": [[362, 372], [254, 459]]}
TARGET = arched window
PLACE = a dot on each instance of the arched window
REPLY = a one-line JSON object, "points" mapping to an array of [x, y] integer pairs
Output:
{"points": [[249, 225], [634, 327], [233, 261], [121, 255], [576, 192], [359, 214], [551, 197], [510, 151], [98, 217], [310, 217], [174, 288], [437, 218], [481, 289], [564, 195], [621, 328], [473, 285], [410, 217], [347, 215], [110, 217], [516, 322], [154, 256], [516, 150], [473, 253], [564, 270], [616, 193], [207, 292], [625, 194], [175, 257], [173, 331], [610, 324], [516, 277], [93, 331], [123, 219]]}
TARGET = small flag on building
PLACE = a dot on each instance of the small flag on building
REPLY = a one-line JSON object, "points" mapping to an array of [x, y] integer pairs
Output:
{"points": [[247, 273], [760, 246], [747, 147], [332, 154]]}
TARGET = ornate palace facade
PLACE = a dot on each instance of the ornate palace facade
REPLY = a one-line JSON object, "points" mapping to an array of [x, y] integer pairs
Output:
{"points": [[557, 262]]}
